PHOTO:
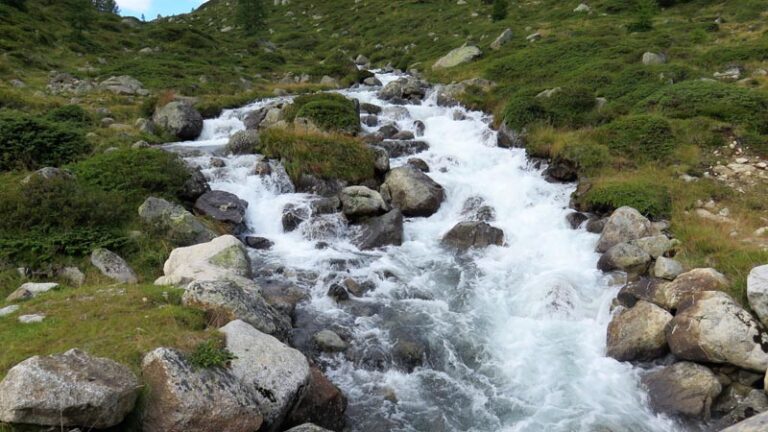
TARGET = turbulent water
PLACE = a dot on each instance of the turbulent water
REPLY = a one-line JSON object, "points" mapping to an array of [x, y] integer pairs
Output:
{"points": [[511, 338]]}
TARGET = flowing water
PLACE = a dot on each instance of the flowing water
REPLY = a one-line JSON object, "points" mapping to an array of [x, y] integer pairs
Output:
{"points": [[506, 339]]}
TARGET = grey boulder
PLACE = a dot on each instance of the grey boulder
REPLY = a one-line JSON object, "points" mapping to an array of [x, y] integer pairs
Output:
{"points": [[223, 207], [757, 291], [473, 234], [384, 230], [174, 222], [625, 224], [684, 388], [359, 201], [179, 119], [625, 257], [637, 333], [113, 266], [412, 191], [244, 142]]}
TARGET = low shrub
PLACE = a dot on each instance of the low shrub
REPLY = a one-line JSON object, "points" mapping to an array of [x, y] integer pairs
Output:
{"points": [[136, 174], [716, 100], [565, 107], [588, 156], [651, 199], [326, 156], [329, 111], [30, 142], [72, 114], [640, 137]]}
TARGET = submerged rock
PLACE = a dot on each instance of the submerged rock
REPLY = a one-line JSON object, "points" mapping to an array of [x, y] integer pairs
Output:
{"points": [[384, 230], [473, 234], [323, 405], [400, 148]]}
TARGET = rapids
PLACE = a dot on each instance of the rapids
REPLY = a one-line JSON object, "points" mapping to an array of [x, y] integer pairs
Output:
{"points": [[510, 338]]}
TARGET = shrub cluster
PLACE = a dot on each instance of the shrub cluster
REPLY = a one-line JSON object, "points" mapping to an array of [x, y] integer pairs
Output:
{"points": [[32, 142], [330, 111], [565, 107], [640, 137], [651, 199]]}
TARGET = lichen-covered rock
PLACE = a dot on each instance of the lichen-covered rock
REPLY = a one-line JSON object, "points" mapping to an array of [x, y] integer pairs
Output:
{"points": [[655, 246], [757, 291], [70, 389], [684, 388], [406, 88], [113, 266], [625, 224], [243, 142], [124, 85], [182, 398], [667, 268], [686, 284], [711, 327], [222, 258], [384, 230], [473, 234], [637, 333], [277, 374], [174, 222], [413, 192], [625, 257], [179, 119], [359, 201], [455, 57], [227, 300]]}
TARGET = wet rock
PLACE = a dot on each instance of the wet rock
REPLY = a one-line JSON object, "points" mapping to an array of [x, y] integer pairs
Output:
{"points": [[370, 108], [625, 224], [328, 341], [388, 131], [684, 388], [689, 283], [30, 290], [370, 120], [323, 187], [113, 266], [596, 226], [381, 231], [625, 257], [327, 205], [461, 55], [406, 88], [468, 235], [226, 300], [259, 243], [179, 119], [70, 389], [277, 374], [338, 293], [380, 159], [195, 186], [243, 142], [408, 351], [561, 170], [254, 119], [293, 216], [283, 297], [637, 333], [738, 402], [711, 327], [419, 164], [667, 268], [575, 219], [403, 136], [413, 192], [757, 291], [223, 207], [174, 222], [181, 397], [758, 423], [262, 169], [323, 405], [419, 127], [397, 149], [222, 258], [359, 201]]}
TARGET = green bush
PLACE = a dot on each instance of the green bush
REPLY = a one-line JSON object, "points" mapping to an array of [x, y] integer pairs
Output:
{"points": [[724, 102], [566, 107], [33, 142], [210, 354], [640, 137], [72, 114], [136, 174], [586, 155], [329, 157], [329, 111], [651, 199]]}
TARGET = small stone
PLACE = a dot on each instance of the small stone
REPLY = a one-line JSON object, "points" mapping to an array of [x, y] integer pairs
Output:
{"points": [[329, 341], [667, 268], [31, 319]]}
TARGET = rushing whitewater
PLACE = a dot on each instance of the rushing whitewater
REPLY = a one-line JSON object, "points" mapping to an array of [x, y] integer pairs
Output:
{"points": [[510, 338]]}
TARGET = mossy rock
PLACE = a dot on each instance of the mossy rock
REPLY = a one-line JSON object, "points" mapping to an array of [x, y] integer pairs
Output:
{"points": [[330, 111]]}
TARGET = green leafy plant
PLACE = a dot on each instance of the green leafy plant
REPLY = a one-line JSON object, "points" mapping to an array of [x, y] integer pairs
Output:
{"points": [[651, 199], [210, 354], [640, 137]]}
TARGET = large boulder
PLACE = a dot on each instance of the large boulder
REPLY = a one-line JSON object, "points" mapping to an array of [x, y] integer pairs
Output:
{"points": [[625, 257], [30, 290], [406, 88], [113, 266], [757, 291], [277, 374], [669, 295], [412, 191], [508, 138], [222, 258], [625, 224], [384, 230], [223, 207], [243, 142], [359, 201], [174, 222], [683, 389], [637, 333], [711, 327], [179, 119], [323, 405], [124, 85], [473, 234], [455, 57], [70, 389], [227, 300], [183, 398]]}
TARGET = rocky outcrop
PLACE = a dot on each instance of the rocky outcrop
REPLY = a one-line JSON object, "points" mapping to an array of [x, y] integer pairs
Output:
{"points": [[384, 230], [757, 291], [412, 191], [227, 300], [179, 119], [625, 224], [182, 398], [222, 258], [243, 142], [174, 222], [473, 234], [711, 327], [683, 389], [70, 389], [124, 85], [637, 333], [276, 374], [359, 201], [686, 284], [113, 266], [223, 207], [324, 404], [625, 257], [461, 55]]}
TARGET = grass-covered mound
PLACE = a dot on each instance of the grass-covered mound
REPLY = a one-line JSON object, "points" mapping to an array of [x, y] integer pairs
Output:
{"points": [[649, 198], [640, 137], [326, 156], [329, 111], [561, 107]]}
